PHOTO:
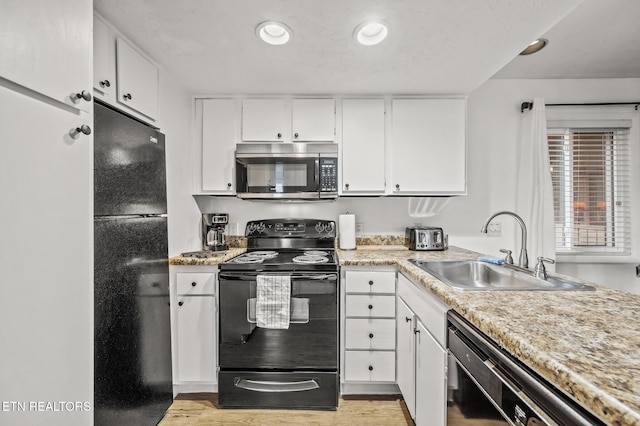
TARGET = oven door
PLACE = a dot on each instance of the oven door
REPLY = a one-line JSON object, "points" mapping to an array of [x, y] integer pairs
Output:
{"points": [[310, 342], [277, 176]]}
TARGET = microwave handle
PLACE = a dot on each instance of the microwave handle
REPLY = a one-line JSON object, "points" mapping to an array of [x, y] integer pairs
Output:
{"points": [[317, 174]]}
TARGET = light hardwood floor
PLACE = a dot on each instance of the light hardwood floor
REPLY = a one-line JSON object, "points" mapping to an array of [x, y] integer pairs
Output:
{"points": [[201, 410]]}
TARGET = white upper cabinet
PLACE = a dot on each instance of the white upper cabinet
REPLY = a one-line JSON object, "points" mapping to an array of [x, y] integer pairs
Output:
{"points": [[428, 147], [48, 58], [313, 120], [363, 133], [104, 61], [122, 76], [137, 80], [218, 146], [282, 120], [264, 120]]}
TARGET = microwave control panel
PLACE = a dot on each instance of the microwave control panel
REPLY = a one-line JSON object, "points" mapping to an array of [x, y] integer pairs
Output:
{"points": [[328, 175]]}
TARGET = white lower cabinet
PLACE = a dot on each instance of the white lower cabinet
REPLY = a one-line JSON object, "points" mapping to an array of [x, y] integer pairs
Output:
{"points": [[422, 355], [194, 328], [368, 332]]}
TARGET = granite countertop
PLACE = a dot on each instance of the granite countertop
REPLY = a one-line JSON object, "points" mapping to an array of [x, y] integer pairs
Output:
{"points": [[219, 257], [587, 343]]}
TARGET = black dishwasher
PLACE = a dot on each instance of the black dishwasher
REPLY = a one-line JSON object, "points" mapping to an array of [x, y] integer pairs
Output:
{"points": [[490, 386]]}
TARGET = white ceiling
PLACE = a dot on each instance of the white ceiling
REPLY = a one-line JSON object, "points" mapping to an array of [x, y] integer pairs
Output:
{"points": [[434, 46], [599, 39]]}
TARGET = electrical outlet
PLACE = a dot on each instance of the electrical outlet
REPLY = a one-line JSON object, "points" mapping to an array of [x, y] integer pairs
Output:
{"points": [[494, 229], [359, 228]]}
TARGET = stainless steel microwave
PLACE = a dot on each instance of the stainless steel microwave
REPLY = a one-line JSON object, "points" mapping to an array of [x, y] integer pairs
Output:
{"points": [[287, 170]]}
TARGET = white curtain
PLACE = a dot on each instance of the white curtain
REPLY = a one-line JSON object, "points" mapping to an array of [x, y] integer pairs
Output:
{"points": [[534, 198]]}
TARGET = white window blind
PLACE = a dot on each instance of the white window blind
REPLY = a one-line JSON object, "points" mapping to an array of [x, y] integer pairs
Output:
{"points": [[590, 168]]}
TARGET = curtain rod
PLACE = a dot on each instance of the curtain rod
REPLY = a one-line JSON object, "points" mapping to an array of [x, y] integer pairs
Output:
{"points": [[529, 105]]}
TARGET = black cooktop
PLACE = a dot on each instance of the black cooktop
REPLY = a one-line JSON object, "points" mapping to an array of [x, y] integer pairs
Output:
{"points": [[283, 260]]}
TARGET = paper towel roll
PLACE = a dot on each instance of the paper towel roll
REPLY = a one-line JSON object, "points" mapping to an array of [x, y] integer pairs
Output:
{"points": [[347, 228]]}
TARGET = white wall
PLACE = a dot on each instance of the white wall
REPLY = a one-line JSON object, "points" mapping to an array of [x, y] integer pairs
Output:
{"points": [[493, 126], [176, 122]]}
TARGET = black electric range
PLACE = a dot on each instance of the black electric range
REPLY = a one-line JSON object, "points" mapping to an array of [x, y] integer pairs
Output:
{"points": [[287, 366]]}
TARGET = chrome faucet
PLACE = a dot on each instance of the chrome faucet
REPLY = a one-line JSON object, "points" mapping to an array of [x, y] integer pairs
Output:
{"points": [[523, 260]]}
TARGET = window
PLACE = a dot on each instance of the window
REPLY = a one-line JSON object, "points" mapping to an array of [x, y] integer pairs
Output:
{"points": [[590, 169]]}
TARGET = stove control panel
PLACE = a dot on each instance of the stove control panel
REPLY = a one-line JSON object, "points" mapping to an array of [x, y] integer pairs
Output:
{"points": [[291, 228]]}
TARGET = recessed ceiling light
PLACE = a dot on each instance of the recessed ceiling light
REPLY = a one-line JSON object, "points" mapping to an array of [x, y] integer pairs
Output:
{"points": [[275, 33], [537, 45], [370, 33]]}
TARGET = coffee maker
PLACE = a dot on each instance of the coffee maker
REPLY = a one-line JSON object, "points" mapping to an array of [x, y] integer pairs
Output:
{"points": [[213, 231]]}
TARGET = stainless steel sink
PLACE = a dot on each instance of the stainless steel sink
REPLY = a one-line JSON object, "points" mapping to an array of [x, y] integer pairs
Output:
{"points": [[476, 275]]}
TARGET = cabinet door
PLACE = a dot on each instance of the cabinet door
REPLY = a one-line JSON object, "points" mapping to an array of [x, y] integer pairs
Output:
{"points": [[363, 159], [46, 47], [46, 307], [218, 145], [431, 376], [263, 120], [313, 120], [196, 350], [428, 147], [405, 355], [137, 80], [104, 72]]}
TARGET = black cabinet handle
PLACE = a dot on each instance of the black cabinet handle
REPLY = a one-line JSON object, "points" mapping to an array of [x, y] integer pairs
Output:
{"points": [[84, 95], [397, 187], [84, 129], [370, 306], [279, 135], [346, 186], [370, 335], [127, 96], [371, 368], [416, 331], [370, 282], [229, 185], [193, 284], [407, 319], [295, 135], [105, 83], [180, 303]]}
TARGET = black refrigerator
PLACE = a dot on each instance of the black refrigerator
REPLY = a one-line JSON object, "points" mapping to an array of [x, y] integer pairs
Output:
{"points": [[132, 344]]}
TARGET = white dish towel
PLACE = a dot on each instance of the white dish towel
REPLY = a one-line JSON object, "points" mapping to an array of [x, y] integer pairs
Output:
{"points": [[273, 300]]}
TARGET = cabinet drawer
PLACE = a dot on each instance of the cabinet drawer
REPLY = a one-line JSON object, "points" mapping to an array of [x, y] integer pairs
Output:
{"points": [[370, 282], [370, 366], [370, 334], [196, 283], [367, 305]]}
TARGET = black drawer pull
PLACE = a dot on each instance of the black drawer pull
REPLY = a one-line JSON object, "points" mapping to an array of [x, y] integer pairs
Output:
{"points": [[180, 303], [193, 284], [370, 335], [370, 306], [371, 368], [371, 282]]}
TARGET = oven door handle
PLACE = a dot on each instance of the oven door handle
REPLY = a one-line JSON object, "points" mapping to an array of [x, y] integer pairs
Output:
{"points": [[269, 386], [252, 277]]}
